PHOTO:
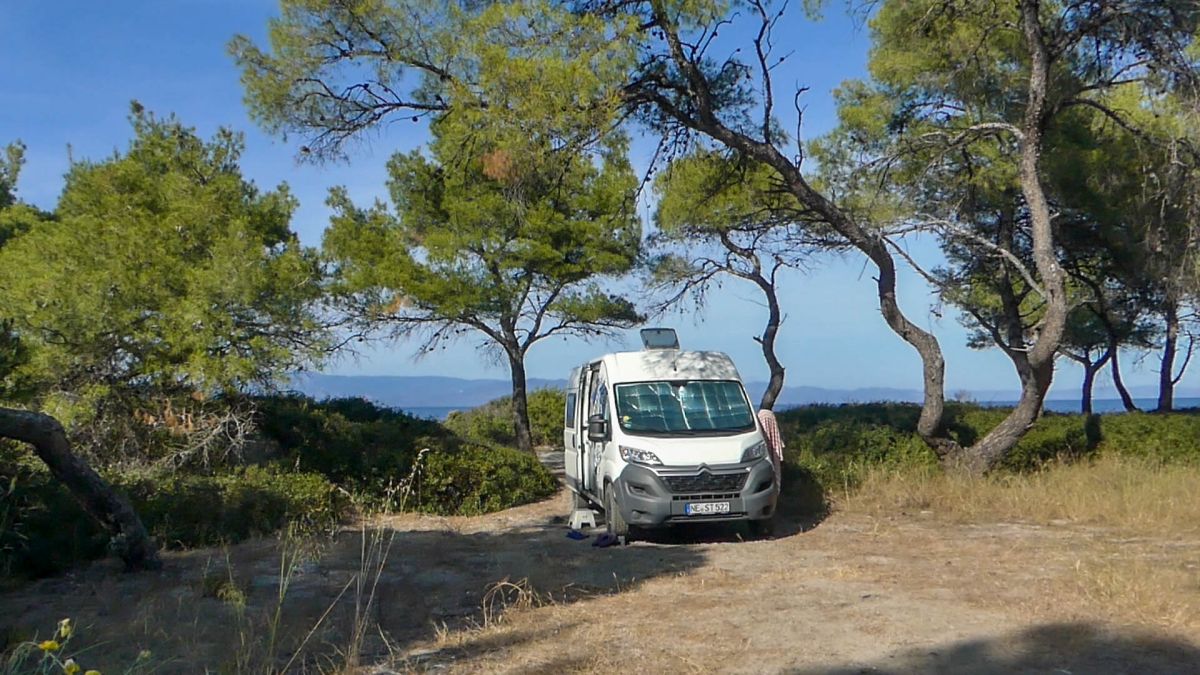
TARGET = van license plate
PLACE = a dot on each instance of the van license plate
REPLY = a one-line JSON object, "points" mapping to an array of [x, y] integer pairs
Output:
{"points": [[706, 508]]}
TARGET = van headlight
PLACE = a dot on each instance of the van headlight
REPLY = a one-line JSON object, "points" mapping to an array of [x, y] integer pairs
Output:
{"points": [[639, 456], [756, 451]]}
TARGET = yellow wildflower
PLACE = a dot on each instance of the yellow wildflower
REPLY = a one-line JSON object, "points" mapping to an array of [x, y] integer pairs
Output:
{"points": [[64, 628], [71, 668], [49, 646], [91, 672], [144, 654]]}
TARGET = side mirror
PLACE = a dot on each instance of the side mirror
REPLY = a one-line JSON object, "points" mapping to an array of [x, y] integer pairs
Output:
{"points": [[597, 428]]}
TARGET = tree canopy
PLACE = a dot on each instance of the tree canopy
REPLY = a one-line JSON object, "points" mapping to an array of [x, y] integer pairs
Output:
{"points": [[161, 270], [963, 101], [503, 239], [720, 216]]}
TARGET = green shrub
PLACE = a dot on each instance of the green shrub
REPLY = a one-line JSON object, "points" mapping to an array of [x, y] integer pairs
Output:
{"points": [[1173, 437], [186, 511], [475, 480], [352, 442], [322, 452], [45, 531], [491, 423], [546, 410], [839, 444]]}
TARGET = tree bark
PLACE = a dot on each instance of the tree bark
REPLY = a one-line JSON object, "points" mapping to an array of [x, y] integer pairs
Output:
{"points": [[1126, 399], [520, 401], [1089, 380], [129, 539], [1090, 369], [767, 341], [1035, 365], [1166, 373]]}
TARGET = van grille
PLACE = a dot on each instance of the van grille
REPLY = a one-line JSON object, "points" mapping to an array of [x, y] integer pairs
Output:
{"points": [[706, 497], [705, 482]]}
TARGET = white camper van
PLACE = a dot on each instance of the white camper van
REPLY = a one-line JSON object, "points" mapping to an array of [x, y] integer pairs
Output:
{"points": [[662, 436]]}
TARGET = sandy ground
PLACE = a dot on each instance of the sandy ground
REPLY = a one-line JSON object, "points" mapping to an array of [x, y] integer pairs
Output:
{"points": [[509, 592]]}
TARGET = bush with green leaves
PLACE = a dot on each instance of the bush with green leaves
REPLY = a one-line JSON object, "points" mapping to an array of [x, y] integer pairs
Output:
{"points": [[838, 444], [1171, 437], [321, 454], [183, 511], [474, 480], [491, 423], [351, 441], [43, 530], [371, 451]]}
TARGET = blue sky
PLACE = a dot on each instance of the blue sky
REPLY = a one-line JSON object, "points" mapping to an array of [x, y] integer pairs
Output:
{"points": [[71, 68]]}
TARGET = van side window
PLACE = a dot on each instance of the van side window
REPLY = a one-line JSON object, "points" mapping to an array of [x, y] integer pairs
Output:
{"points": [[570, 418], [600, 403]]}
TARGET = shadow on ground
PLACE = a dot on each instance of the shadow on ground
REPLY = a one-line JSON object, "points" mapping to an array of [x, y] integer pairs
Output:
{"points": [[375, 591], [1049, 648]]}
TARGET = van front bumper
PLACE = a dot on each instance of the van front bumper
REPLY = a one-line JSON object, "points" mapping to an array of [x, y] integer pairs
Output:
{"points": [[656, 496]]}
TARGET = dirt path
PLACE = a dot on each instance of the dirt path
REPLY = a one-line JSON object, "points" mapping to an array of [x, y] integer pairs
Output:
{"points": [[852, 594]]}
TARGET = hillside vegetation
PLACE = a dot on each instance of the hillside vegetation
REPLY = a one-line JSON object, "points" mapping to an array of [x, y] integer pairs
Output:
{"points": [[313, 465]]}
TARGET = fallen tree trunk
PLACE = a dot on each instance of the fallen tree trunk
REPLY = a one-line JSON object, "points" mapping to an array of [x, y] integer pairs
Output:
{"points": [[129, 539]]}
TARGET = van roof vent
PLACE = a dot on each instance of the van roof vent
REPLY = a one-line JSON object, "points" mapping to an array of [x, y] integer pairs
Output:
{"points": [[659, 338]]}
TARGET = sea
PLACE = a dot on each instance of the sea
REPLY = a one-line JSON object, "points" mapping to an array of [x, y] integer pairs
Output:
{"points": [[1061, 405], [1102, 405], [436, 412]]}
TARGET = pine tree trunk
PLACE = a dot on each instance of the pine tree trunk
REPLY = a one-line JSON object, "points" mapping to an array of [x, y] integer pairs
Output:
{"points": [[520, 402], [997, 443], [129, 538], [1166, 373], [1126, 399], [1035, 365], [774, 318], [1089, 380]]}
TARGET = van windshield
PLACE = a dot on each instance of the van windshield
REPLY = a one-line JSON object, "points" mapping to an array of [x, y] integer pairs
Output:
{"points": [[684, 406]]}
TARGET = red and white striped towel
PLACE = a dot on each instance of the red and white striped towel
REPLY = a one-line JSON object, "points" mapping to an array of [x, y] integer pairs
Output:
{"points": [[770, 432]]}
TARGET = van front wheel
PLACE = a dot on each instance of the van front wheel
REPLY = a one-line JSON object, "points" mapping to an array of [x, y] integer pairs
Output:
{"points": [[612, 515]]}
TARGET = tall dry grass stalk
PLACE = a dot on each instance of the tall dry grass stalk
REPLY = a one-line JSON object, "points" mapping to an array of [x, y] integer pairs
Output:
{"points": [[1131, 494], [375, 549], [262, 638]]}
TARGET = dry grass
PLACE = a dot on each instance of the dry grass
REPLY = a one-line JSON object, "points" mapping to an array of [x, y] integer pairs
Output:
{"points": [[1127, 494], [1150, 592], [1141, 519]]}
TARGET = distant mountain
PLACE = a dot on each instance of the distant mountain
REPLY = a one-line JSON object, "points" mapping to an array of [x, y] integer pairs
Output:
{"points": [[428, 392], [803, 395], [421, 392], [424, 391]]}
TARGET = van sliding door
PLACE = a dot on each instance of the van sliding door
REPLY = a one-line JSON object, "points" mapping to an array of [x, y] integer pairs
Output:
{"points": [[597, 404]]}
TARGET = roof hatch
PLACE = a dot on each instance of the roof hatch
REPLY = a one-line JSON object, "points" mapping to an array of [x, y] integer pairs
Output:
{"points": [[659, 338]]}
